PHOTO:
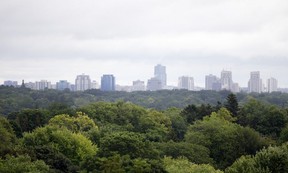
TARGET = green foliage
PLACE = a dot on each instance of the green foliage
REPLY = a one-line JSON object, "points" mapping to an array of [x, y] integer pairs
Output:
{"points": [[29, 119], [232, 104], [191, 113], [7, 137], [22, 164], [194, 153], [225, 140], [182, 165], [270, 160], [178, 124], [74, 146], [266, 119], [126, 143]]}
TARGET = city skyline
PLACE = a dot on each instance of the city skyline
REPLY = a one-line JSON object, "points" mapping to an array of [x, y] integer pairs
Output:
{"points": [[56, 40], [108, 83]]}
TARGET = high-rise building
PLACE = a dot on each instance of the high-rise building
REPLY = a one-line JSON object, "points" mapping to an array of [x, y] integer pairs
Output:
{"points": [[210, 80], [62, 85], [154, 84], [255, 82], [10, 83], [108, 82], [95, 85], [42, 85], [138, 85], [226, 80], [185, 82], [82, 82], [272, 85], [160, 73]]}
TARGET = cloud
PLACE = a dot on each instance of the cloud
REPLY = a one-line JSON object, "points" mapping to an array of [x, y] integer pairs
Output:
{"points": [[190, 37]]}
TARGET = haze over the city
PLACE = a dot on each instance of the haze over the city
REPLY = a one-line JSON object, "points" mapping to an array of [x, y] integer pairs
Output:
{"points": [[56, 40]]}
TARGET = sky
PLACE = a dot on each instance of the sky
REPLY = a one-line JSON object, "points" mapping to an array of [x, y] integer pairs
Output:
{"points": [[60, 39]]}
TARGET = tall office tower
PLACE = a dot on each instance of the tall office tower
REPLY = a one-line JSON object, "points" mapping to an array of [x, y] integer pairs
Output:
{"points": [[82, 82], [210, 80], [108, 82], [272, 85], [255, 82], [235, 88], [62, 85], [42, 85], [10, 83], [138, 85], [185, 82], [154, 84], [226, 80], [160, 73]]}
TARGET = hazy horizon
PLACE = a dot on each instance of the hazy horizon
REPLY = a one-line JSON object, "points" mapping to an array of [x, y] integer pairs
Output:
{"points": [[58, 40]]}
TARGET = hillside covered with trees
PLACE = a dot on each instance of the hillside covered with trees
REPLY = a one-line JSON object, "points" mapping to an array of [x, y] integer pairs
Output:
{"points": [[52, 132]]}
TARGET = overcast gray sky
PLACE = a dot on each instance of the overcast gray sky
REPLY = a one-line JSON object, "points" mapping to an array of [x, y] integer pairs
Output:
{"points": [[59, 39]]}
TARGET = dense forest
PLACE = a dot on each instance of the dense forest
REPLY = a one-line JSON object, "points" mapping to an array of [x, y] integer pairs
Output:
{"points": [[165, 131]]}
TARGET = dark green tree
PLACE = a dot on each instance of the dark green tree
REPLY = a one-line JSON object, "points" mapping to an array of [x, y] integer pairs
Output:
{"points": [[232, 104]]}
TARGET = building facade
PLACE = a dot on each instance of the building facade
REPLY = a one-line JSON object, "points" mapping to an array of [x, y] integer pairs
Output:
{"points": [[226, 80], [138, 85], [186, 82], [210, 80], [82, 82], [42, 85], [154, 84], [62, 85], [272, 85], [108, 82], [160, 73], [255, 82]]}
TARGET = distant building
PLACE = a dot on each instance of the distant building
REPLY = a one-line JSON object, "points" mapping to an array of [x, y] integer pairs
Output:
{"points": [[62, 85], [255, 82], [108, 82], [82, 82], [226, 80], [160, 73], [138, 85], [272, 85], [42, 85], [95, 85], [211, 80], [30, 85], [185, 82], [154, 84], [10, 83], [235, 88]]}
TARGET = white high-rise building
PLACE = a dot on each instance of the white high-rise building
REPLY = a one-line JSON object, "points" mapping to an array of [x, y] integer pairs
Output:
{"points": [[154, 84], [82, 82], [186, 82], [42, 85], [226, 80], [138, 85], [255, 82], [160, 73], [272, 85]]}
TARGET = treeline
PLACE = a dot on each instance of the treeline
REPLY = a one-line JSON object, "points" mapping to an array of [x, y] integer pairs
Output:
{"points": [[15, 99], [123, 137]]}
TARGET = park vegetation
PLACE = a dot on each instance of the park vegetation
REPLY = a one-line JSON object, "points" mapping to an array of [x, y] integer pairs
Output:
{"points": [[61, 132]]}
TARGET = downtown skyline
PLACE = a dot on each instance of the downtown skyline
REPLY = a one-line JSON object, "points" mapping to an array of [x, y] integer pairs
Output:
{"points": [[212, 82], [56, 40]]}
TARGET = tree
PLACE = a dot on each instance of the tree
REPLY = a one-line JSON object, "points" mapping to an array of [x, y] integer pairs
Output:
{"points": [[22, 164], [182, 165], [232, 104], [268, 160], [74, 146], [7, 137], [226, 140], [126, 143]]}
